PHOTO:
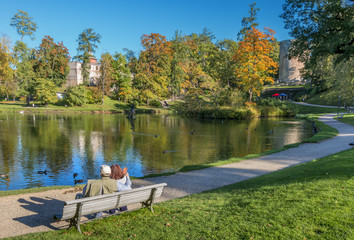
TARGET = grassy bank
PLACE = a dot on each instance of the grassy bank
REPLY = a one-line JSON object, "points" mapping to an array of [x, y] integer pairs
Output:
{"points": [[309, 201], [108, 106], [348, 118], [302, 109]]}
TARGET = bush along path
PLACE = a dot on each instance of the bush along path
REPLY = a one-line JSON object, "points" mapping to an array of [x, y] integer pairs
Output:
{"points": [[33, 212]]}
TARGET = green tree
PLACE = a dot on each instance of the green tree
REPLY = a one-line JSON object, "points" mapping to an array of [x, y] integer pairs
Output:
{"points": [[76, 96], [24, 24], [179, 56], [121, 75], [87, 45], [45, 91], [105, 80], [223, 64], [320, 28], [249, 22], [24, 74], [51, 61]]}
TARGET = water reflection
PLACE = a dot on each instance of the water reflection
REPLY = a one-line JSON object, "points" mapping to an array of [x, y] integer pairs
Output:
{"points": [[64, 144]]}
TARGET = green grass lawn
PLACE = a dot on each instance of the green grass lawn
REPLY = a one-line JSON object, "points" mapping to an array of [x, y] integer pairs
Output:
{"points": [[348, 118], [315, 110], [314, 200]]}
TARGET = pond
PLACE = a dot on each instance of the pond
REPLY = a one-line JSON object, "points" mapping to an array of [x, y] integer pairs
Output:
{"points": [[64, 144]]}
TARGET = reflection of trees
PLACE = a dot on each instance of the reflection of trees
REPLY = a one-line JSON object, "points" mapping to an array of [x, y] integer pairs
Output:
{"points": [[45, 143], [82, 142]]}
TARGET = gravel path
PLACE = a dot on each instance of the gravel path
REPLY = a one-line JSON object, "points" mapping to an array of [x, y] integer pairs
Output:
{"points": [[27, 213]]}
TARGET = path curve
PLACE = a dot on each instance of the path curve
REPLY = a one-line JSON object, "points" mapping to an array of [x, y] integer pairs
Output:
{"points": [[27, 213]]}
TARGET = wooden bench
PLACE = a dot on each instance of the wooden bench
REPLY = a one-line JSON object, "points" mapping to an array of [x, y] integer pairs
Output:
{"points": [[74, 209]]}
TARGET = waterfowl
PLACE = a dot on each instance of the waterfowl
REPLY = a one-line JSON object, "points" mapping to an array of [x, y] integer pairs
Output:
{"points": [[75, 175], [79, 181], [42, 172], [4, 175]]}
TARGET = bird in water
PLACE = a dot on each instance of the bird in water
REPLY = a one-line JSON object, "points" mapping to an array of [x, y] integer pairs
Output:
{"points": [[4, 175], [79, 181], [42, 172], [75, 175]]}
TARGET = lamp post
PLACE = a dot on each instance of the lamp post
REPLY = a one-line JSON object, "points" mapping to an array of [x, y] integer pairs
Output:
{"points": [[338, 106]]}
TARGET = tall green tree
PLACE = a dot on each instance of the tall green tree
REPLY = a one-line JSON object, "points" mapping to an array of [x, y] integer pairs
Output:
{"points": [[249, 22], [223, 64], [320, 28], [87, 45], [24, 24], [24, 74], [179, 56], [105, 80], [121, 78]]}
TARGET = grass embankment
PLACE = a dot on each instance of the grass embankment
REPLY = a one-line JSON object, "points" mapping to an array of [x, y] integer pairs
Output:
{"points": [[108, 106], [348, 118], [309, 201]]}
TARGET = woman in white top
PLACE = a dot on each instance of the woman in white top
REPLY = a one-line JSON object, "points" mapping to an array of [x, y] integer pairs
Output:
{"points": [[123, 181]]}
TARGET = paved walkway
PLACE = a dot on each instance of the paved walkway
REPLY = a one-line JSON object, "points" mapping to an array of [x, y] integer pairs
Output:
{"points": [[28, 213]]}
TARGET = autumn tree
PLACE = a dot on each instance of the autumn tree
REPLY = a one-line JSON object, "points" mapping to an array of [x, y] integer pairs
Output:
{"points": [[24, 24], [255, 64], [51, 61], [7, 84], [153, 67], [87, 45]]}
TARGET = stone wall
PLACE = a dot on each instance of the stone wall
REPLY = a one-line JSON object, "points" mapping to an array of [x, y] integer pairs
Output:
{"points": [[289, 69]]}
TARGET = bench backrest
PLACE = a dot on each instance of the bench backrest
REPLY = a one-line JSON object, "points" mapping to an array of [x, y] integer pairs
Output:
{"points": [[113, 200]]}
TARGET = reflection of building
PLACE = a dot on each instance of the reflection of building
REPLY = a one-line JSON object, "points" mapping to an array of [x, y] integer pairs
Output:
{"points": [[75, 74]]}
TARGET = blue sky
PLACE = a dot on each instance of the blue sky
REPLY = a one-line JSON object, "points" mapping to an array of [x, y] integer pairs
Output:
{"points": [[121, 23]]}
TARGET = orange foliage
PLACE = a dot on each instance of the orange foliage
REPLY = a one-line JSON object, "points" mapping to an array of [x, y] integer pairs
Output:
{"points": [[254, 61]]}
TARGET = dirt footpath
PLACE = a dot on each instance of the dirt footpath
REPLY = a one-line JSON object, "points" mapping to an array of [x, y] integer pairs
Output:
{"points": [[27, 213]]}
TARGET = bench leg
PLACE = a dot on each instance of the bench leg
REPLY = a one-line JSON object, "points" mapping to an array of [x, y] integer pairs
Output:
{"points": [[150, 201], [75, 221]]}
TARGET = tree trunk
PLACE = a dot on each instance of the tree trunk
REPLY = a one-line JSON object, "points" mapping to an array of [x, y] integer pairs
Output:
{"points": [[250, 92]]}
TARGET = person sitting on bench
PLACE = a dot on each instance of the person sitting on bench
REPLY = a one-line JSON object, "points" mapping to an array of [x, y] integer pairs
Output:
{"points": [[123, 181], [96, 187]]}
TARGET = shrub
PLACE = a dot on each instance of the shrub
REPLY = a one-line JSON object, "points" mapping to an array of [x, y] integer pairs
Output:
{"points": [[75, 96], [93, 95]]}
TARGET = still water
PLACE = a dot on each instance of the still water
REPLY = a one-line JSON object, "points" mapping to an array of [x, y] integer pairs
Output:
{"points": [[64, 144]]}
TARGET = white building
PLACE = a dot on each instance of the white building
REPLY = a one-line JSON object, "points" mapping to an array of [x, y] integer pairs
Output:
{"points": [[75, 74]]}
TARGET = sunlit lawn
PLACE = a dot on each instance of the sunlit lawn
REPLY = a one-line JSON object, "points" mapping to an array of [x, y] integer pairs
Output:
{"points": [[309, 201]]}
